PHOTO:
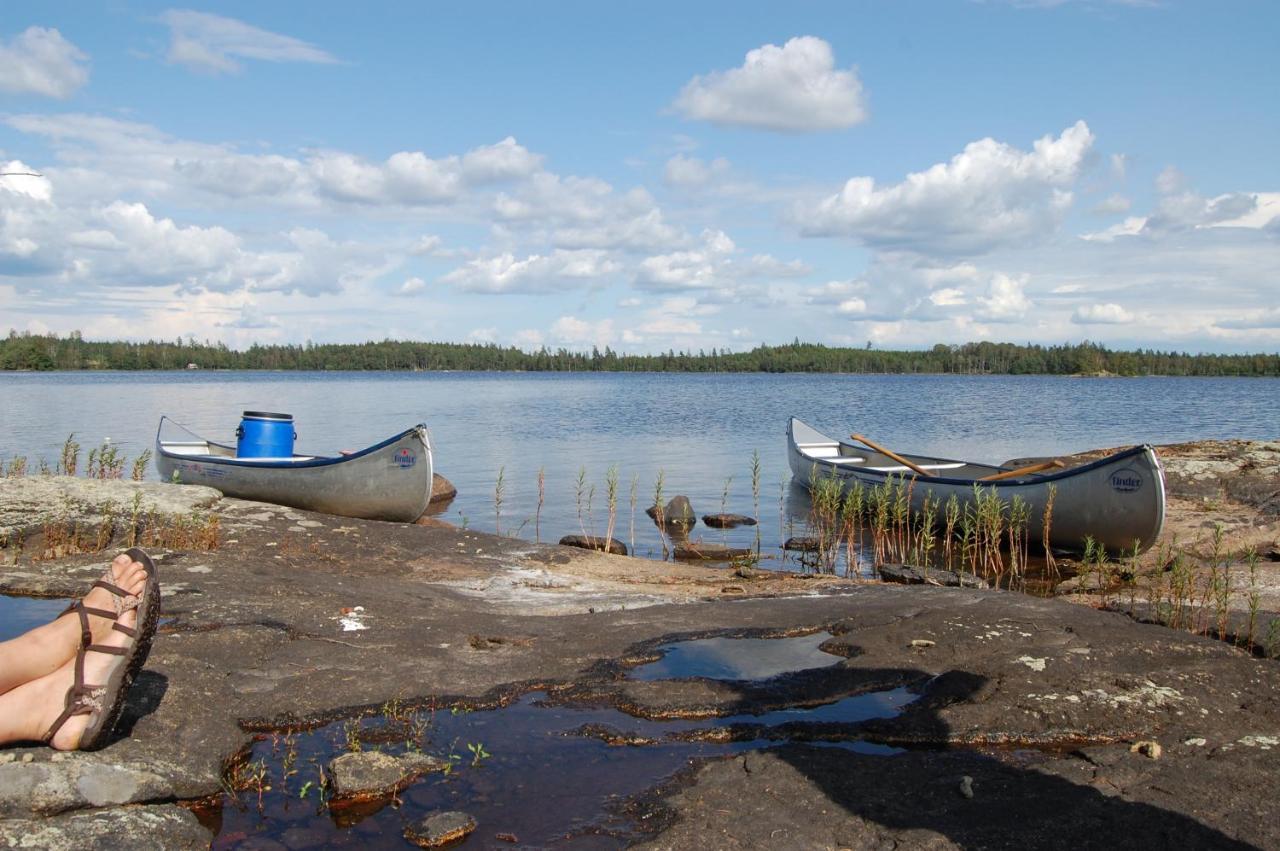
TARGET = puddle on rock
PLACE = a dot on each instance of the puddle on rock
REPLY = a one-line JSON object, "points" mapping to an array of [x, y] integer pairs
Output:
{"points": [[19, 614], [737, 658], [531, 774]]}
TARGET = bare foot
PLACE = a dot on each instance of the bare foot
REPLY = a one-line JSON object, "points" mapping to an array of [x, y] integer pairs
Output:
{"points": [[97, 670]]}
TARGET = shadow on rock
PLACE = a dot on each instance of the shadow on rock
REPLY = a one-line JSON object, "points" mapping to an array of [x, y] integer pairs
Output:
{"points": [[933, 794], [145, 696]]}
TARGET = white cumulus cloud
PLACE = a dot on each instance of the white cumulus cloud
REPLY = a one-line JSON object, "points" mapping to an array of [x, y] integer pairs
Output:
{"points": [[990, 194], [40, 61], [1101, 314], [793, 88], [504, 273]]}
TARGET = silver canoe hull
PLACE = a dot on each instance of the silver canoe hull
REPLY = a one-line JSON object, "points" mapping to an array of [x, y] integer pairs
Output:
{"points": [[388, 481], [1118, 501]]}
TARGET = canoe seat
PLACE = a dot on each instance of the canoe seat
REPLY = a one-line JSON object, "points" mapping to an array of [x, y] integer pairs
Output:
{"points": [[200, 448], [922, 467], [819, 450]]}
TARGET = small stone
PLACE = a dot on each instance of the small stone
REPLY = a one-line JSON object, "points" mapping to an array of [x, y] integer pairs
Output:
{"points": [[966, 787], [28, 757], [733, 589], [1032, 662], [7, 757], [439, 829], [1148, 749], [1196, 742], [922, 642]]}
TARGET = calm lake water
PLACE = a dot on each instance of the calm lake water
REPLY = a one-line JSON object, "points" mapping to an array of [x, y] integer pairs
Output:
{"points": [[699, 430]]}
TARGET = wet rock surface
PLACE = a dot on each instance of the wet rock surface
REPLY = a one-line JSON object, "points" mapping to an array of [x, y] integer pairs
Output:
{"points": [[373, 774], [1035, 700], [440, 829]]}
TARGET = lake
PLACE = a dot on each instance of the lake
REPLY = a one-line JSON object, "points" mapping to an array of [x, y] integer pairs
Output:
{"points": [[698, 430]]}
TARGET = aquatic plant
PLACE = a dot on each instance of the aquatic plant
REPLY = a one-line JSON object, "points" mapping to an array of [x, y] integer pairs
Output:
{"points": [[658, 508], [611, 496], [537, 514], [70, 458], [497, 501], [635, 484], [755, 495], [140, 465]]}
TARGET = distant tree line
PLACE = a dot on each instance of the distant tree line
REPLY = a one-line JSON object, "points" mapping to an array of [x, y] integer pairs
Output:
{"points": [[49, 352]]}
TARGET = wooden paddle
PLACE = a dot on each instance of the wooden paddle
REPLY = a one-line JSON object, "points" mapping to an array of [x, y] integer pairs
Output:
{"points": [[1022, 471], [895, 456]]}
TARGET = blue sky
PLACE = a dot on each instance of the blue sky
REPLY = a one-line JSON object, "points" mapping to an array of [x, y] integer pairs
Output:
{"points": [[644, 176]]}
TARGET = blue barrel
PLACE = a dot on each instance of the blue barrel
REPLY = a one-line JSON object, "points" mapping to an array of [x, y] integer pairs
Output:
{"points": [[263, 434]]}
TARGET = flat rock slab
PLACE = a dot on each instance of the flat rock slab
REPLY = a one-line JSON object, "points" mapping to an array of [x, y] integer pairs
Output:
{"points": [[27, 503], [161, 827], [259, 636]]}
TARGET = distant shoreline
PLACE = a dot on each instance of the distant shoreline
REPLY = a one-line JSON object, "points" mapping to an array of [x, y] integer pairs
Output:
{"points": [[35, 353]]}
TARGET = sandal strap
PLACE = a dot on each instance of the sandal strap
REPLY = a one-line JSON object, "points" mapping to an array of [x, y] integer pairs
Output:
{"points": [[81, 700], [124, 601], [127, 630], [102, 648]]}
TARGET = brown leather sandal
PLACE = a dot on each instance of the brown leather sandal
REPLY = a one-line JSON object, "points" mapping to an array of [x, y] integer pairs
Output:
{"points": [[103, 702]]}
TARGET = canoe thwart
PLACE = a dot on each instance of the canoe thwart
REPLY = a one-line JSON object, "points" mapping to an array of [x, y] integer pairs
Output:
{"points": [[895, 456], [1055, 464]]}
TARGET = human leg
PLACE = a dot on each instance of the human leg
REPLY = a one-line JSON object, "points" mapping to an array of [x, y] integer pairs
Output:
{"points": [[46, 648]]}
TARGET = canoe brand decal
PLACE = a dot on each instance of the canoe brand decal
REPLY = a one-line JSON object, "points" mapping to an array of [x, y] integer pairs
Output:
{"points": [[1126, 480], [404, 459]]}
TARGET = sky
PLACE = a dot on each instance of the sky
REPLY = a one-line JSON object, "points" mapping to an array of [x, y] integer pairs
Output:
{"points": [[644, 176]]}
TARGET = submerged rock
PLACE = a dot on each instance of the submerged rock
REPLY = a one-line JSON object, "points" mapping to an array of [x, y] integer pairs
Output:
{"points": [[678, 512], [595, 542], [442, 490], [727, 521], [365, 775], [704, 551], [907, 575], [802, 544], [439, 829]]}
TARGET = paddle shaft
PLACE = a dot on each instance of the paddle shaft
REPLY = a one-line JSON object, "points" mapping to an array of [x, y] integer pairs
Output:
{"points": [[895, 456], [1022, 471]]}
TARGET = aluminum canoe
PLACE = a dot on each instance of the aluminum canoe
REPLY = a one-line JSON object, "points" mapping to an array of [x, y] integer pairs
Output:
{"points": [[390, 480], [1118, 500]]}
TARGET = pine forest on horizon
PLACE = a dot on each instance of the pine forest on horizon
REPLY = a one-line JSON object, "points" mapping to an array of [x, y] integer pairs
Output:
{"points": [[50, 352]]}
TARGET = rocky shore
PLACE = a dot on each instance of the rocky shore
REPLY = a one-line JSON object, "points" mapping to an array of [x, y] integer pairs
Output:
{"points": [[1035, 723]]}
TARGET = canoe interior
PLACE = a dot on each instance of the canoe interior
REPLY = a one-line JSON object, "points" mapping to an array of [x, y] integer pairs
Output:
{"points": [[844, 455], [209, 449]]}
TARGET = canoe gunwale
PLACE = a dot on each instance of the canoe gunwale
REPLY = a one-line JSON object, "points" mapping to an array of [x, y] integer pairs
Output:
{"points": [[1033, 480], [310, 462]]}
